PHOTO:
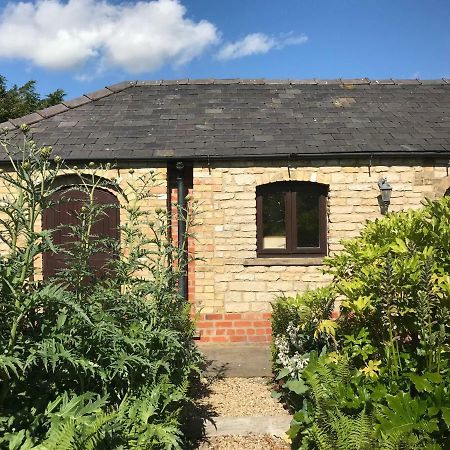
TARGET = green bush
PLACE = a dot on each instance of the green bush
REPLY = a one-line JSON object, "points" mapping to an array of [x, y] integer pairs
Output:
{"points": [[393, 334], [297, 326], [89, 361], [394, 282]]}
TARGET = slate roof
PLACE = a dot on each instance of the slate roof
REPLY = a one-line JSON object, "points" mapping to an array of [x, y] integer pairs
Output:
{"points": [[238, 119]]}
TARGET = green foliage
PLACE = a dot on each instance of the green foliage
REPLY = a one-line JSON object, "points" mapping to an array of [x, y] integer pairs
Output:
{"points": [[142, 426], [89, 360], [298, 325], [18, 101], [79, 423], [399, 267], [392, 338], [340, 409], [323, 422]]}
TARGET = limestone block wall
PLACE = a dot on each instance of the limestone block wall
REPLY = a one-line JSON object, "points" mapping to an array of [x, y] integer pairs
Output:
{"points": [[125, 176], [229, 278], [230, 288]]}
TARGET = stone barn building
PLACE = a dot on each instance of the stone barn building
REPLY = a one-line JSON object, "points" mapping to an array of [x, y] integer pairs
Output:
{"points": [[282, 172]]}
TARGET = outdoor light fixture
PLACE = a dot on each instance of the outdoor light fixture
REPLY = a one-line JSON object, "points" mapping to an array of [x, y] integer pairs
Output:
{"points": [[385, 194]]}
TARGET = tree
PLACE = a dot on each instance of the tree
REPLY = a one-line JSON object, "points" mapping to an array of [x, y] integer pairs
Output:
{"points": [[21, 100]]}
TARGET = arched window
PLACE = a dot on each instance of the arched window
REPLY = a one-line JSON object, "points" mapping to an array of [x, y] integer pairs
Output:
{"points": [[65, 211], [291, 219]]}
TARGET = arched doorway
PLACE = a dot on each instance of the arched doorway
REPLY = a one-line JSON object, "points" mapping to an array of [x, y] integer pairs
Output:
{"points": [[68, 202]]}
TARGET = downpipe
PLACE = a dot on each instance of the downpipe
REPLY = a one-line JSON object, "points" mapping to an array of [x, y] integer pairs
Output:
{"points": [[182, 239]]}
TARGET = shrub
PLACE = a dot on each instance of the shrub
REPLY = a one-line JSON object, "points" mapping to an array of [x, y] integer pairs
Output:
{"points": [[297, 326], [89, 361], [393, 282], [393, 335]]}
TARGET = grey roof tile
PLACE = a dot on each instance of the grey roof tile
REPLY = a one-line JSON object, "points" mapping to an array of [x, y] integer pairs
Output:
{"points": [[309, 81], [248, 119], [410, 81], [253, 82], [74, 103], [148, 83], [438, 81], [356, 81], [269, 81], [334, 81], [118, 87], [388, 81], [202, 81], [96, 95], [175, 82], [7, 126], [227, 81], [27, 120], [52, 110]]}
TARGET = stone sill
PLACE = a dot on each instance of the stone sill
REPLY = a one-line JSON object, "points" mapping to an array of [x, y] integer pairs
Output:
{"points": [[308, 261]]}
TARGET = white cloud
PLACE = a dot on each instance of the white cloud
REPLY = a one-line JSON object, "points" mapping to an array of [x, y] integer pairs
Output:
{"points": [[137, 37], [258, 43]]}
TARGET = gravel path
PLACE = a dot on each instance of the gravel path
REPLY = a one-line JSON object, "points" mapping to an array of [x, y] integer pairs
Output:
{"points": [[241, 397], [249, 442], [237, 397]]}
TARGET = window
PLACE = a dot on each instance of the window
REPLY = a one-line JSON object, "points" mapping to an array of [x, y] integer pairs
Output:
{"points": [[291, 219]]}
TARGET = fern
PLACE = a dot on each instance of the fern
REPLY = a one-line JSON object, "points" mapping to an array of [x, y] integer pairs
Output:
{"points": [[356, 433], [333, 428], [10, 366], [319, 438], [140, 420], [60, 436]]}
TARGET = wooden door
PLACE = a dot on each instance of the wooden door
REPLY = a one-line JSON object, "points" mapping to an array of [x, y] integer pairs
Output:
{"points": [[68, 203]]}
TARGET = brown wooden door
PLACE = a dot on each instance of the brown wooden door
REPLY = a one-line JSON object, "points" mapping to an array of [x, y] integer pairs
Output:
{"points": [[68, 203]]}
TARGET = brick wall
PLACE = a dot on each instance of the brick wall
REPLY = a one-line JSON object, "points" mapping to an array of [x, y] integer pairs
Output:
{"points": [[235, 327]]}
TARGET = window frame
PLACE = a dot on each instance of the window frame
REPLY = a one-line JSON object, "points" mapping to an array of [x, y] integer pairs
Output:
{"points": [[291, 189]]}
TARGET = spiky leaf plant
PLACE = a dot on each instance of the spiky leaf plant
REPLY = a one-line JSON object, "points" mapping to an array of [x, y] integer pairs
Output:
{"points": [[88, 360]]}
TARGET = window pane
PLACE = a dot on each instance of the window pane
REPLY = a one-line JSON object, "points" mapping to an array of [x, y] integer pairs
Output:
{"points": [[308, 219], [274, 225]]}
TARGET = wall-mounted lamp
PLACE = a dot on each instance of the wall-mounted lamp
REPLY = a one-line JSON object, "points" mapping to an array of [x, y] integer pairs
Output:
{"points": [[384, 199]]}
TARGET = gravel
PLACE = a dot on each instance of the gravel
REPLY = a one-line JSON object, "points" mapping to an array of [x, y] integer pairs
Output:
{"points": [[234, 397], [248, 442], [241, 397]]}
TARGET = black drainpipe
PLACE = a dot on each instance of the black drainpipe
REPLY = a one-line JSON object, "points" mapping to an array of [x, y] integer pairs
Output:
{"points": [[182, 241]]}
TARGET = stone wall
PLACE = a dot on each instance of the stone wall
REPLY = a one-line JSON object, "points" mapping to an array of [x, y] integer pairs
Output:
{"points": [[230, 288], [124, 176], [229, 279]]}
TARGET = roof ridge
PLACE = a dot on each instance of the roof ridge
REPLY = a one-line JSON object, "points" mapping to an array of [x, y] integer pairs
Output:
{"points": [[65, 105], [307, 81], [90, 97]]}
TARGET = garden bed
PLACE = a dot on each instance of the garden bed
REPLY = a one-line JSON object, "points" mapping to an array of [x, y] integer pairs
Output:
{"points": [[376, 375]]}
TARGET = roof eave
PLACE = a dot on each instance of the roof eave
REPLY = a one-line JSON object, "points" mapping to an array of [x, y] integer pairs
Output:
{"points": [[285, 157]]}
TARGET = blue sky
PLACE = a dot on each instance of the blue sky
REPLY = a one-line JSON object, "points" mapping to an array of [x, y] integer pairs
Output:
{"points": [[82, 45]]}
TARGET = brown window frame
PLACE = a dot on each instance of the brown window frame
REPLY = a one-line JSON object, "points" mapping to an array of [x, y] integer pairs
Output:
{"points": [[291, 189]]}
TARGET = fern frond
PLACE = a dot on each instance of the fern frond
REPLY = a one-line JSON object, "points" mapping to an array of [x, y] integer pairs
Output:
{"points": [[320, 437], [60, 436]]}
